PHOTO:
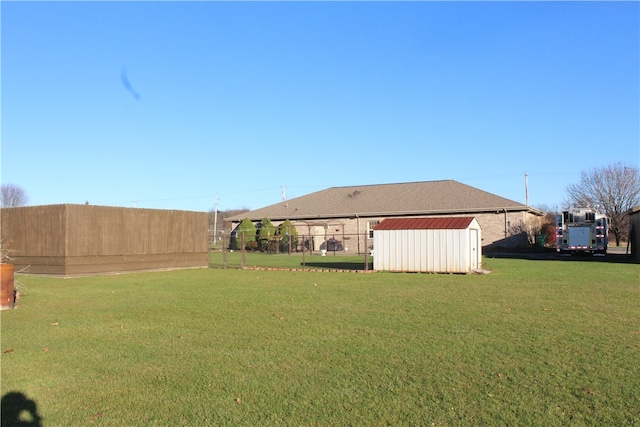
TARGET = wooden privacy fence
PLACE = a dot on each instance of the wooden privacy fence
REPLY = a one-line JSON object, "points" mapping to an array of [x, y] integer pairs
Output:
{"points": [[81, 239]]}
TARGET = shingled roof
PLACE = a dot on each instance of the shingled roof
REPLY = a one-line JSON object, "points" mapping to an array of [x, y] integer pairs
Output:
{"points": [[412, 198]]}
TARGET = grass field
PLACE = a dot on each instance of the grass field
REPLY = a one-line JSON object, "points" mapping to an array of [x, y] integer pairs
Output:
{"points": [[548, 343]]}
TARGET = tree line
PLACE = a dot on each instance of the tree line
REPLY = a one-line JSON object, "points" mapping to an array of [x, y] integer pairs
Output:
{"points": [[264, 236]]}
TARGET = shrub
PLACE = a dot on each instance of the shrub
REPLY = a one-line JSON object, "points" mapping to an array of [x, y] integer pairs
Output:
{"points": [[248, 230], [288, 234], [266, 231]]}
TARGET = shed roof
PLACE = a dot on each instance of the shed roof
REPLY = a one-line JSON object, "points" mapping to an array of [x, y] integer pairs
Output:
{"points": [[402, 199], [449, 223]]}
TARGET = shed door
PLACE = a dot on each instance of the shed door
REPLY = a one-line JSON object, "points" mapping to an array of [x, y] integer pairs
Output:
{"points": [[473, 245]]}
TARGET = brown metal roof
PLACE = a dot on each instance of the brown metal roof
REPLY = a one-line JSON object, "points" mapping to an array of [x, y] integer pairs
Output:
{"points": [[449, 223]]}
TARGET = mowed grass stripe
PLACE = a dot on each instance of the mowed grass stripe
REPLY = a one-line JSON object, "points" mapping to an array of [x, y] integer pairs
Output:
{"points": [[533, 343]]}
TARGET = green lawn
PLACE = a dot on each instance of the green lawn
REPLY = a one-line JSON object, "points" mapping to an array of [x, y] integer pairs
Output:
{"points": [[550, 343]]}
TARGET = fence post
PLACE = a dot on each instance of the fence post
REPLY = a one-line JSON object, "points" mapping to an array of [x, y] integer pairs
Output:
{"points": [[224, 253], [366, 252], [303, 254], [243, 253]]}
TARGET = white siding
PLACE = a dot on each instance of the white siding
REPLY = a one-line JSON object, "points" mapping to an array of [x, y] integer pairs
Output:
{"points": [[433, 251]]}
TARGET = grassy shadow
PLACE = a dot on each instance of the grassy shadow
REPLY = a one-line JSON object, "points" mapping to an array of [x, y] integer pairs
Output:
{"points": [[338, 265], [614, 258]]}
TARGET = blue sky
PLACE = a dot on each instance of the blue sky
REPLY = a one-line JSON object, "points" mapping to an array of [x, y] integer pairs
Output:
{"points": [[166, 104]]}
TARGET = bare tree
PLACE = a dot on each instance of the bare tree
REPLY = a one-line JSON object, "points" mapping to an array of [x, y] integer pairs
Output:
{"points": [[223, 215], [12, 196], [222, 223], [548, 210], [614, 189]]}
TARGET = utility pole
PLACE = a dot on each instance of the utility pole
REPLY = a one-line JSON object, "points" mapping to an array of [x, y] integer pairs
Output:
{"points": [[215, 221], [526, 189]]}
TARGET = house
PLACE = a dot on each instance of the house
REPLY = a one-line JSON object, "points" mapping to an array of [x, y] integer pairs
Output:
{"points": [[350, 213]]}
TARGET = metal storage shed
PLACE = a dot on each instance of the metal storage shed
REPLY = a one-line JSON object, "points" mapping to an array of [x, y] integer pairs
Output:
{"points": [[430, 245]]}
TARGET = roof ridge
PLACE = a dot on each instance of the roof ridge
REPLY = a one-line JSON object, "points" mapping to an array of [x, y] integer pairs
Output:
{"points": [[393, 183]]}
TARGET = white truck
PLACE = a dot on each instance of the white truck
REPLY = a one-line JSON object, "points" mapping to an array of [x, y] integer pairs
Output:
{"points": [[582, 230]]}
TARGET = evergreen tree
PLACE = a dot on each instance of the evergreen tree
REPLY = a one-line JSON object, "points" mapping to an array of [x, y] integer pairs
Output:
{"points": [[288, 236], [248, 230], [266, 231]]}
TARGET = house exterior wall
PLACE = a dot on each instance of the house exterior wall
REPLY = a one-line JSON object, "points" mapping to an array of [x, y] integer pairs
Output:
{"points": [[83, 239], [500, 229], [430, 250]]}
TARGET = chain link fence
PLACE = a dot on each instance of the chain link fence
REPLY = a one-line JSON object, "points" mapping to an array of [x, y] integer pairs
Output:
{"points": [[231, 250]]}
